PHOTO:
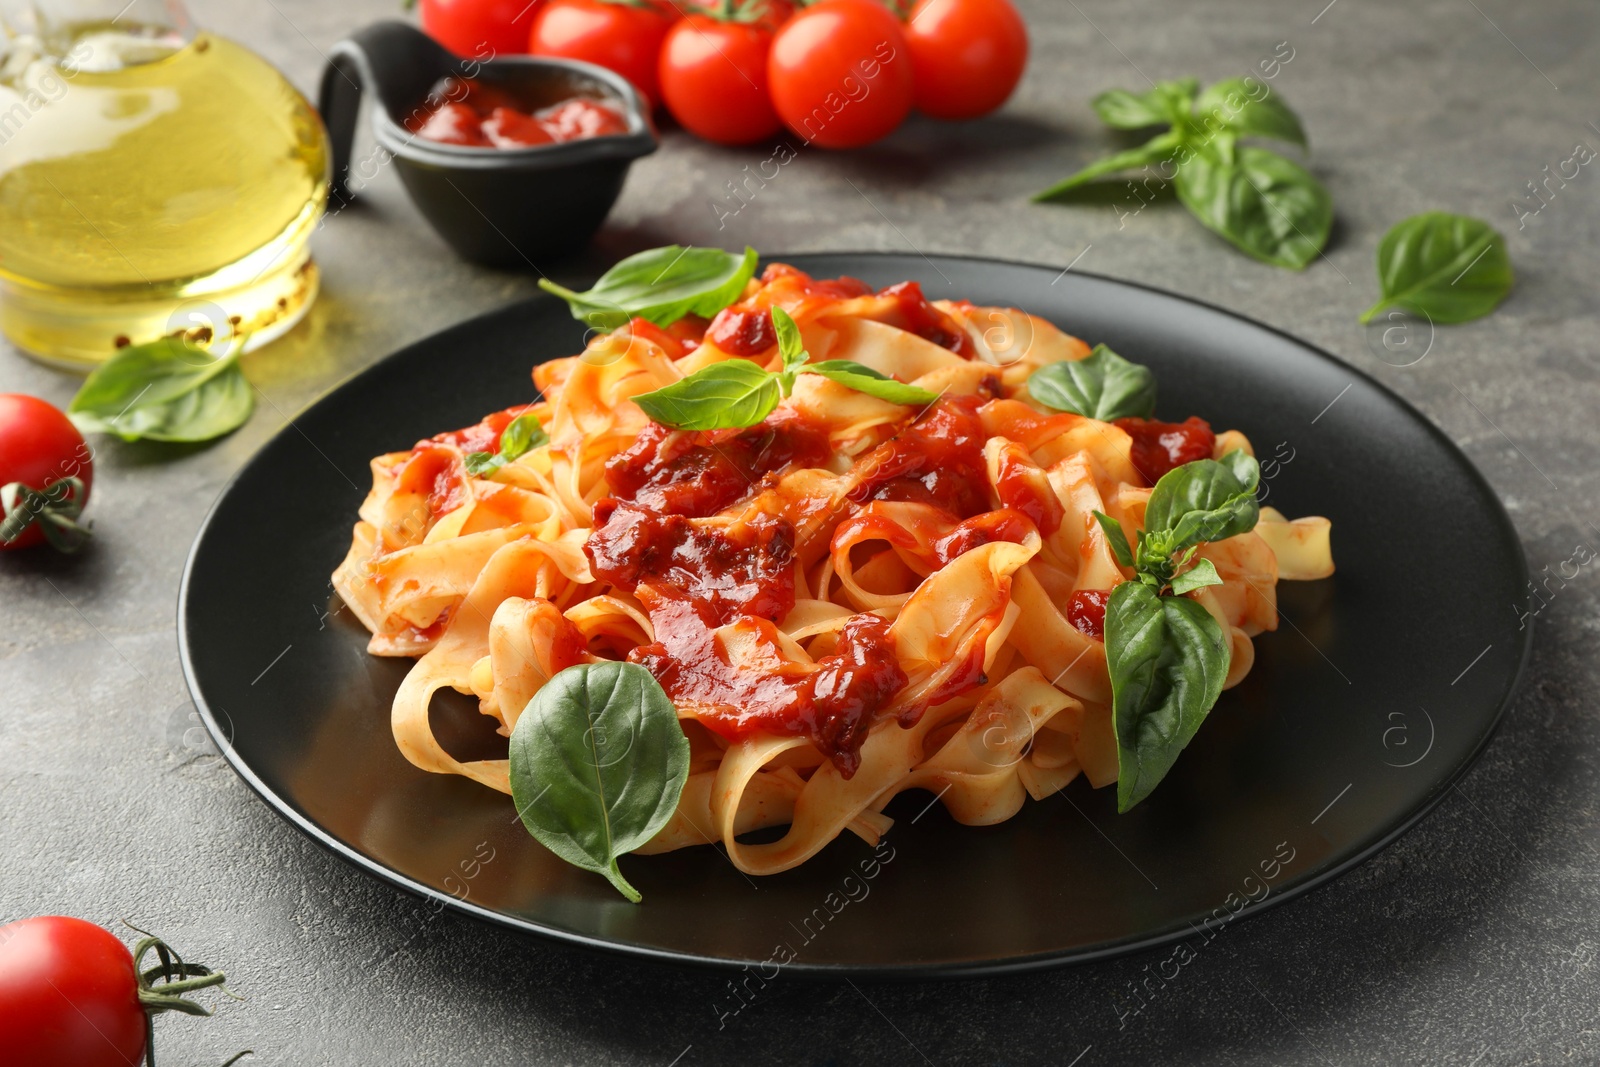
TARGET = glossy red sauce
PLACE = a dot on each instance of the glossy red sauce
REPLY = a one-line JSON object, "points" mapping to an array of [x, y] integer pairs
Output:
{"points": [[742, 333], [918, 316], [436, 473], [677, 340], [936, 460], [462, 111], [1159, 447], [1087, 612], [1017, 488], [831, 704], [780, 279], [1003, 524], [699, 474], [749, 573]]}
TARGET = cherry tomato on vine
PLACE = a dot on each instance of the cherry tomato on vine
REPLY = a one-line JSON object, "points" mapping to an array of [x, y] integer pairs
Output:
{"points": [[40, 452], [72, 993], [968, 55], [839, 73], [713, 74], [620, 35], [479, 29], [94, 1019]]}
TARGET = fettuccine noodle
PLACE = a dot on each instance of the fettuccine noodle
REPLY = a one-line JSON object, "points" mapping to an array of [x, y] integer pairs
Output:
{"points": [[852, 599]]}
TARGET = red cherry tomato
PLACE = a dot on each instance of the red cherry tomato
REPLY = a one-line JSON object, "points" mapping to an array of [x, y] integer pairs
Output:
{"points": [[39, 446], [839, 73], [968, 55], [480, 29], [714, 79], [68, 995], [616, 34]]}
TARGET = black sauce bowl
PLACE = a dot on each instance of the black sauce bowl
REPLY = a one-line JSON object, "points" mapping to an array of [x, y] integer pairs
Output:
{"points": [[495, 206]]}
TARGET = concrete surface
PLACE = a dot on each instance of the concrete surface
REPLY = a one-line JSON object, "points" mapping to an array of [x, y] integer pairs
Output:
{"points": [[1473, 941]]}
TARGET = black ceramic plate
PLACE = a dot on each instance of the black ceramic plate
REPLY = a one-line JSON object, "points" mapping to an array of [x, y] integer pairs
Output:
{"points": [[1381, 686]]}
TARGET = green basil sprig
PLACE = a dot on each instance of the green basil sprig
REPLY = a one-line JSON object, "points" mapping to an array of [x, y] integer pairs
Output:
{"points": [[662, 285], [1102, 386], [167, 390], [735, 393], [1166, 655], [598, 762], [1451, 268], [1267, 206], [521, 435]]}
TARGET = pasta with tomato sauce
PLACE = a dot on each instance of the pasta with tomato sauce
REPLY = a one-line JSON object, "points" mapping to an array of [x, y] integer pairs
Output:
{"points": [[847, 600]]}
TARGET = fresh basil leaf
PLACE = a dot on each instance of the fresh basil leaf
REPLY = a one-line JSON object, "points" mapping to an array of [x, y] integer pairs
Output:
{"points": [[791, 349], [1199, 576], [1102, 386], [1116, 538], [1231, 105], [167, 390], [1450, 268], [598, 762], [864, 379], [1202, 501], [1157, 150], [521, 435], [1168, 659], [1263, 204], [662, 285], [729, 395]]}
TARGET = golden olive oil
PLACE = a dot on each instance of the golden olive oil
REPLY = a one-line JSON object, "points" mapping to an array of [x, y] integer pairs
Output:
{"points": [[173, 192]]}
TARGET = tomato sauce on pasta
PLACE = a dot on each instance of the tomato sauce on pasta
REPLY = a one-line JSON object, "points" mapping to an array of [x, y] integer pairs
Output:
{"points": [[848, 600]]}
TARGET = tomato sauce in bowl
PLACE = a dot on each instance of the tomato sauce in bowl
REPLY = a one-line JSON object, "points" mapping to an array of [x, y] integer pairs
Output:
{"points": [[476, 114]]}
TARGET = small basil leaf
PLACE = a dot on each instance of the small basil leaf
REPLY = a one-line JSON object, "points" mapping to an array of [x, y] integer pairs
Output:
{"points": [[1167, 658], [1159, 149], [662, 285], [1265, 205], [791, 349], [1102, 386], [1231, 105], [864, 379], [1199, 576], [729, 395], [166, 390], [1116, 538], [1450, 268], [598, 762], [1201, 501], [521, 435]]}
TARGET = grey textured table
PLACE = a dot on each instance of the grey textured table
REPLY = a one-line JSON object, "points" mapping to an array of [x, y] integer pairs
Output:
{"points": [[1474, 940]]}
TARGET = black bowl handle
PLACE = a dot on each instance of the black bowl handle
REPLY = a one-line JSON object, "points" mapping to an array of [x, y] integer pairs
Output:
{"points": [[394, 61]]}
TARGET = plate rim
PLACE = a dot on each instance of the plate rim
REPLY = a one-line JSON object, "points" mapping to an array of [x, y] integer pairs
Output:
{"points": [[896, 972]]}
